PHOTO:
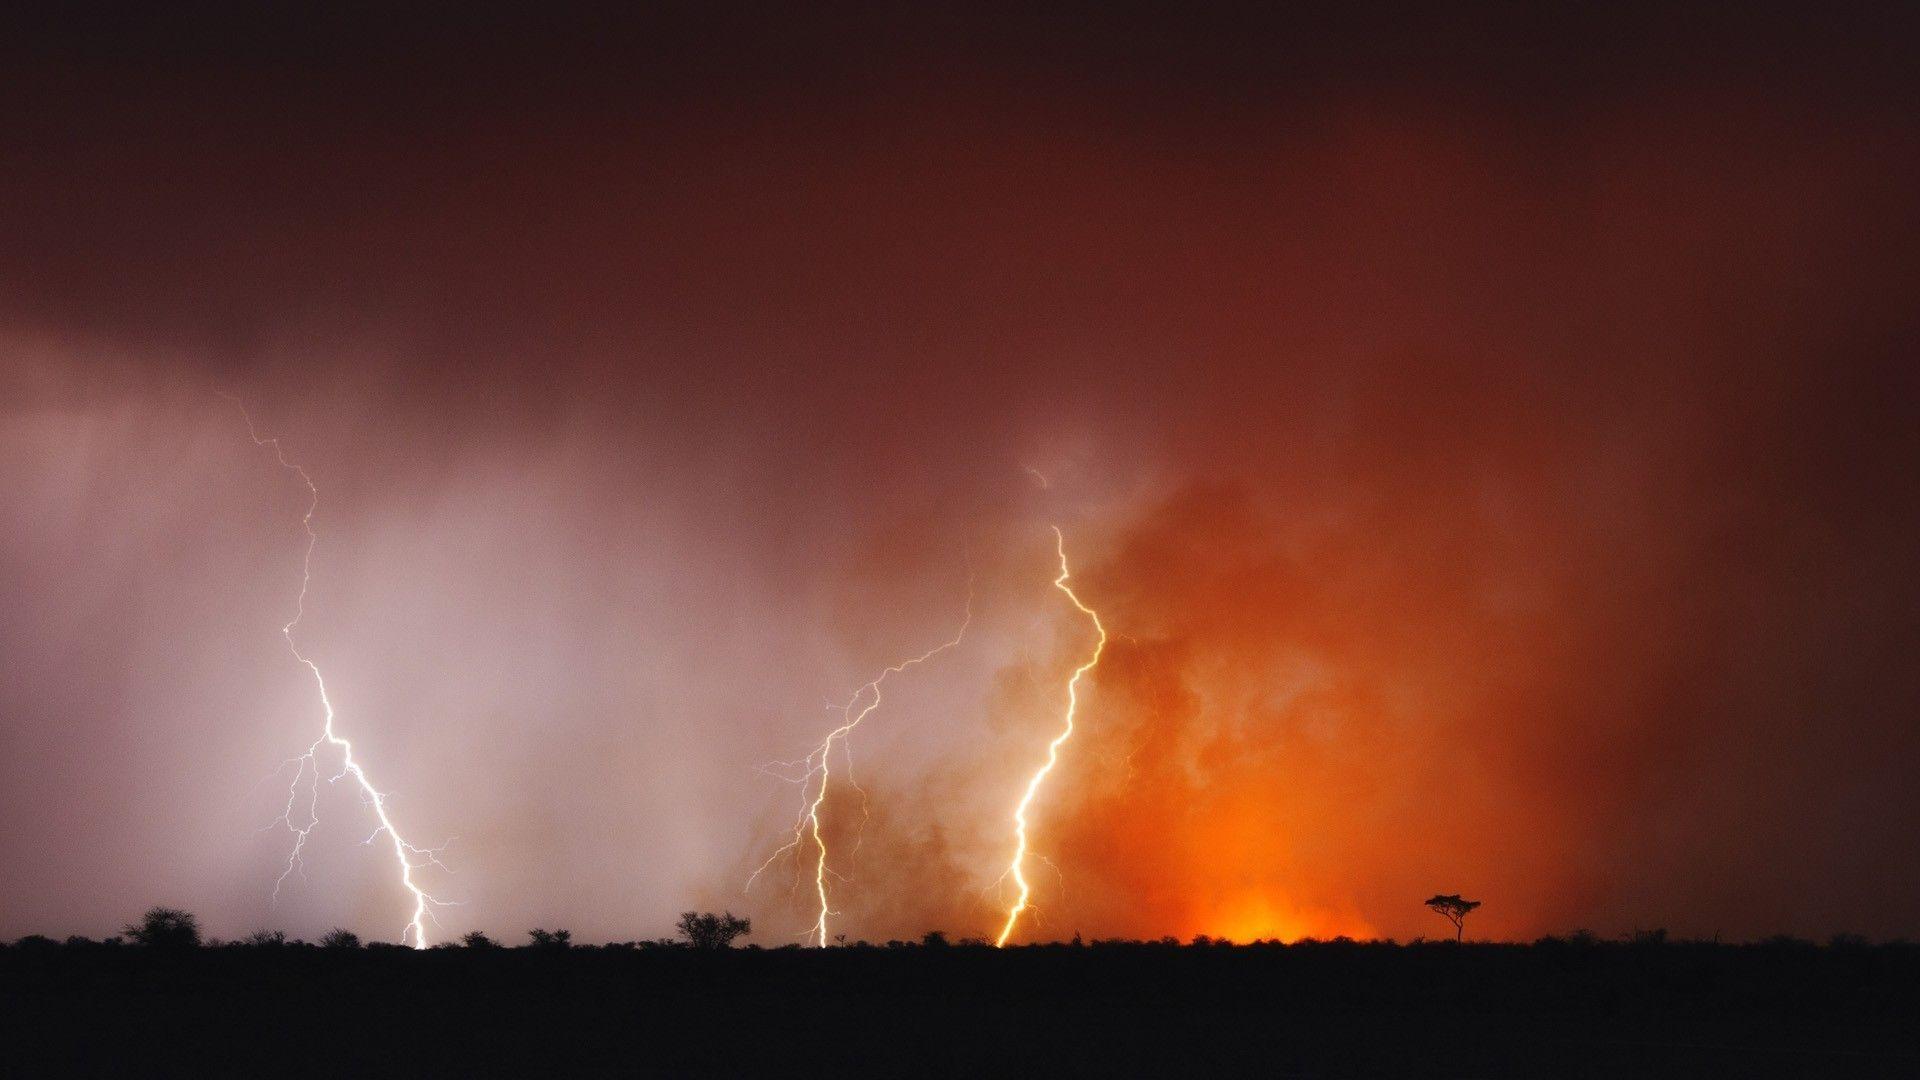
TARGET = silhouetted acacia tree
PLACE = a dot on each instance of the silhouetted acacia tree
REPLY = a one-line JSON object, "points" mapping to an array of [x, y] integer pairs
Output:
{"points": [[475, 939], [705, 930], [1454, 909], [551, 939], [340, 939], [166, 928]]}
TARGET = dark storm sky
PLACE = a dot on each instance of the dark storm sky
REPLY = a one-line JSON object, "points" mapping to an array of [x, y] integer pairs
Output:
{"points": [[1492, 433]]}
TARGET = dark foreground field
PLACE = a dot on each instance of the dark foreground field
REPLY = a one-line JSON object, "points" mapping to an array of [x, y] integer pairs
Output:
{"points": [[1335, 1009]]}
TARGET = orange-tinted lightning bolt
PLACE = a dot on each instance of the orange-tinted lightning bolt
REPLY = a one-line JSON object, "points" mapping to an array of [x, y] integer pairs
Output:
{"points": [[1017, 869], [407, 857], [816, 768]]}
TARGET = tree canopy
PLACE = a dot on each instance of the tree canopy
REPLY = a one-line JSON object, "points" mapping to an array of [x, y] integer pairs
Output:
{"points": [[1454, 909], [705, 930]]}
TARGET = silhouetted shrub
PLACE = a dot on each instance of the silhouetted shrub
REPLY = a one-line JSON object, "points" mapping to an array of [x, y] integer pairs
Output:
{"points": [[934, 939], [166, 928], [36, 943], [705, 930], [338, 938], [265, 939], [551, 939], [474, 939]]}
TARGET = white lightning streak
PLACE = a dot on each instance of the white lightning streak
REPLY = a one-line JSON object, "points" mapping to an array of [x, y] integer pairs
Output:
{"points": [[1017, 869], [817, 767], [408, 857]]}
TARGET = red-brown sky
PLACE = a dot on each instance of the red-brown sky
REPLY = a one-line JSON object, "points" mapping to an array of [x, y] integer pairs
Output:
{"points": [[1490, 438]]}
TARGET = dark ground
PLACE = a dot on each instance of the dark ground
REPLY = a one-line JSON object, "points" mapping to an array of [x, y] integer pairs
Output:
{"points": [[1334, 1009]]}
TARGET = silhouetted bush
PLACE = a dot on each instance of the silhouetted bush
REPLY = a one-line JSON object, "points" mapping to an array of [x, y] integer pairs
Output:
{"points": [[551, 939], [474, 939], [166, 928], [265, 939], [705, 930], [934, 939], [337, 938]]}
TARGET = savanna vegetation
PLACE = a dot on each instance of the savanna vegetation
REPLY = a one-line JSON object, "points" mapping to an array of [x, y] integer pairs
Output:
{"points": [[161, 998]]}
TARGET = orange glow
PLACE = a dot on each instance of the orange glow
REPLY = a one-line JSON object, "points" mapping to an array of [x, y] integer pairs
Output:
{"points": [[1257, 916], [1263, 772]]}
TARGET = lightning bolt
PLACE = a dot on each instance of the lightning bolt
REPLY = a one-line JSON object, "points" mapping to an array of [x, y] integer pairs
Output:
{"points": [[815, 770], [407, 857], [1017, 868]]}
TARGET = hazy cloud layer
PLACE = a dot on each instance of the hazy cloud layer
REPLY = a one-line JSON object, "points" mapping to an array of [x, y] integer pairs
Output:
{"points": [[1497, 476]]}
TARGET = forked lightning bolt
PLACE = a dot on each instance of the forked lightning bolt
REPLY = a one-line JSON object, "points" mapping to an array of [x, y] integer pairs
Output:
{"points": [[815, 770], [1017, 869], [407, 857]]}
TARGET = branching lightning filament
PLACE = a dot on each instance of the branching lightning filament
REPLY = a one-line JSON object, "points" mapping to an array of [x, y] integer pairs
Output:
{"points": [[407, 857], [815, 770], [1017, 868]]}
